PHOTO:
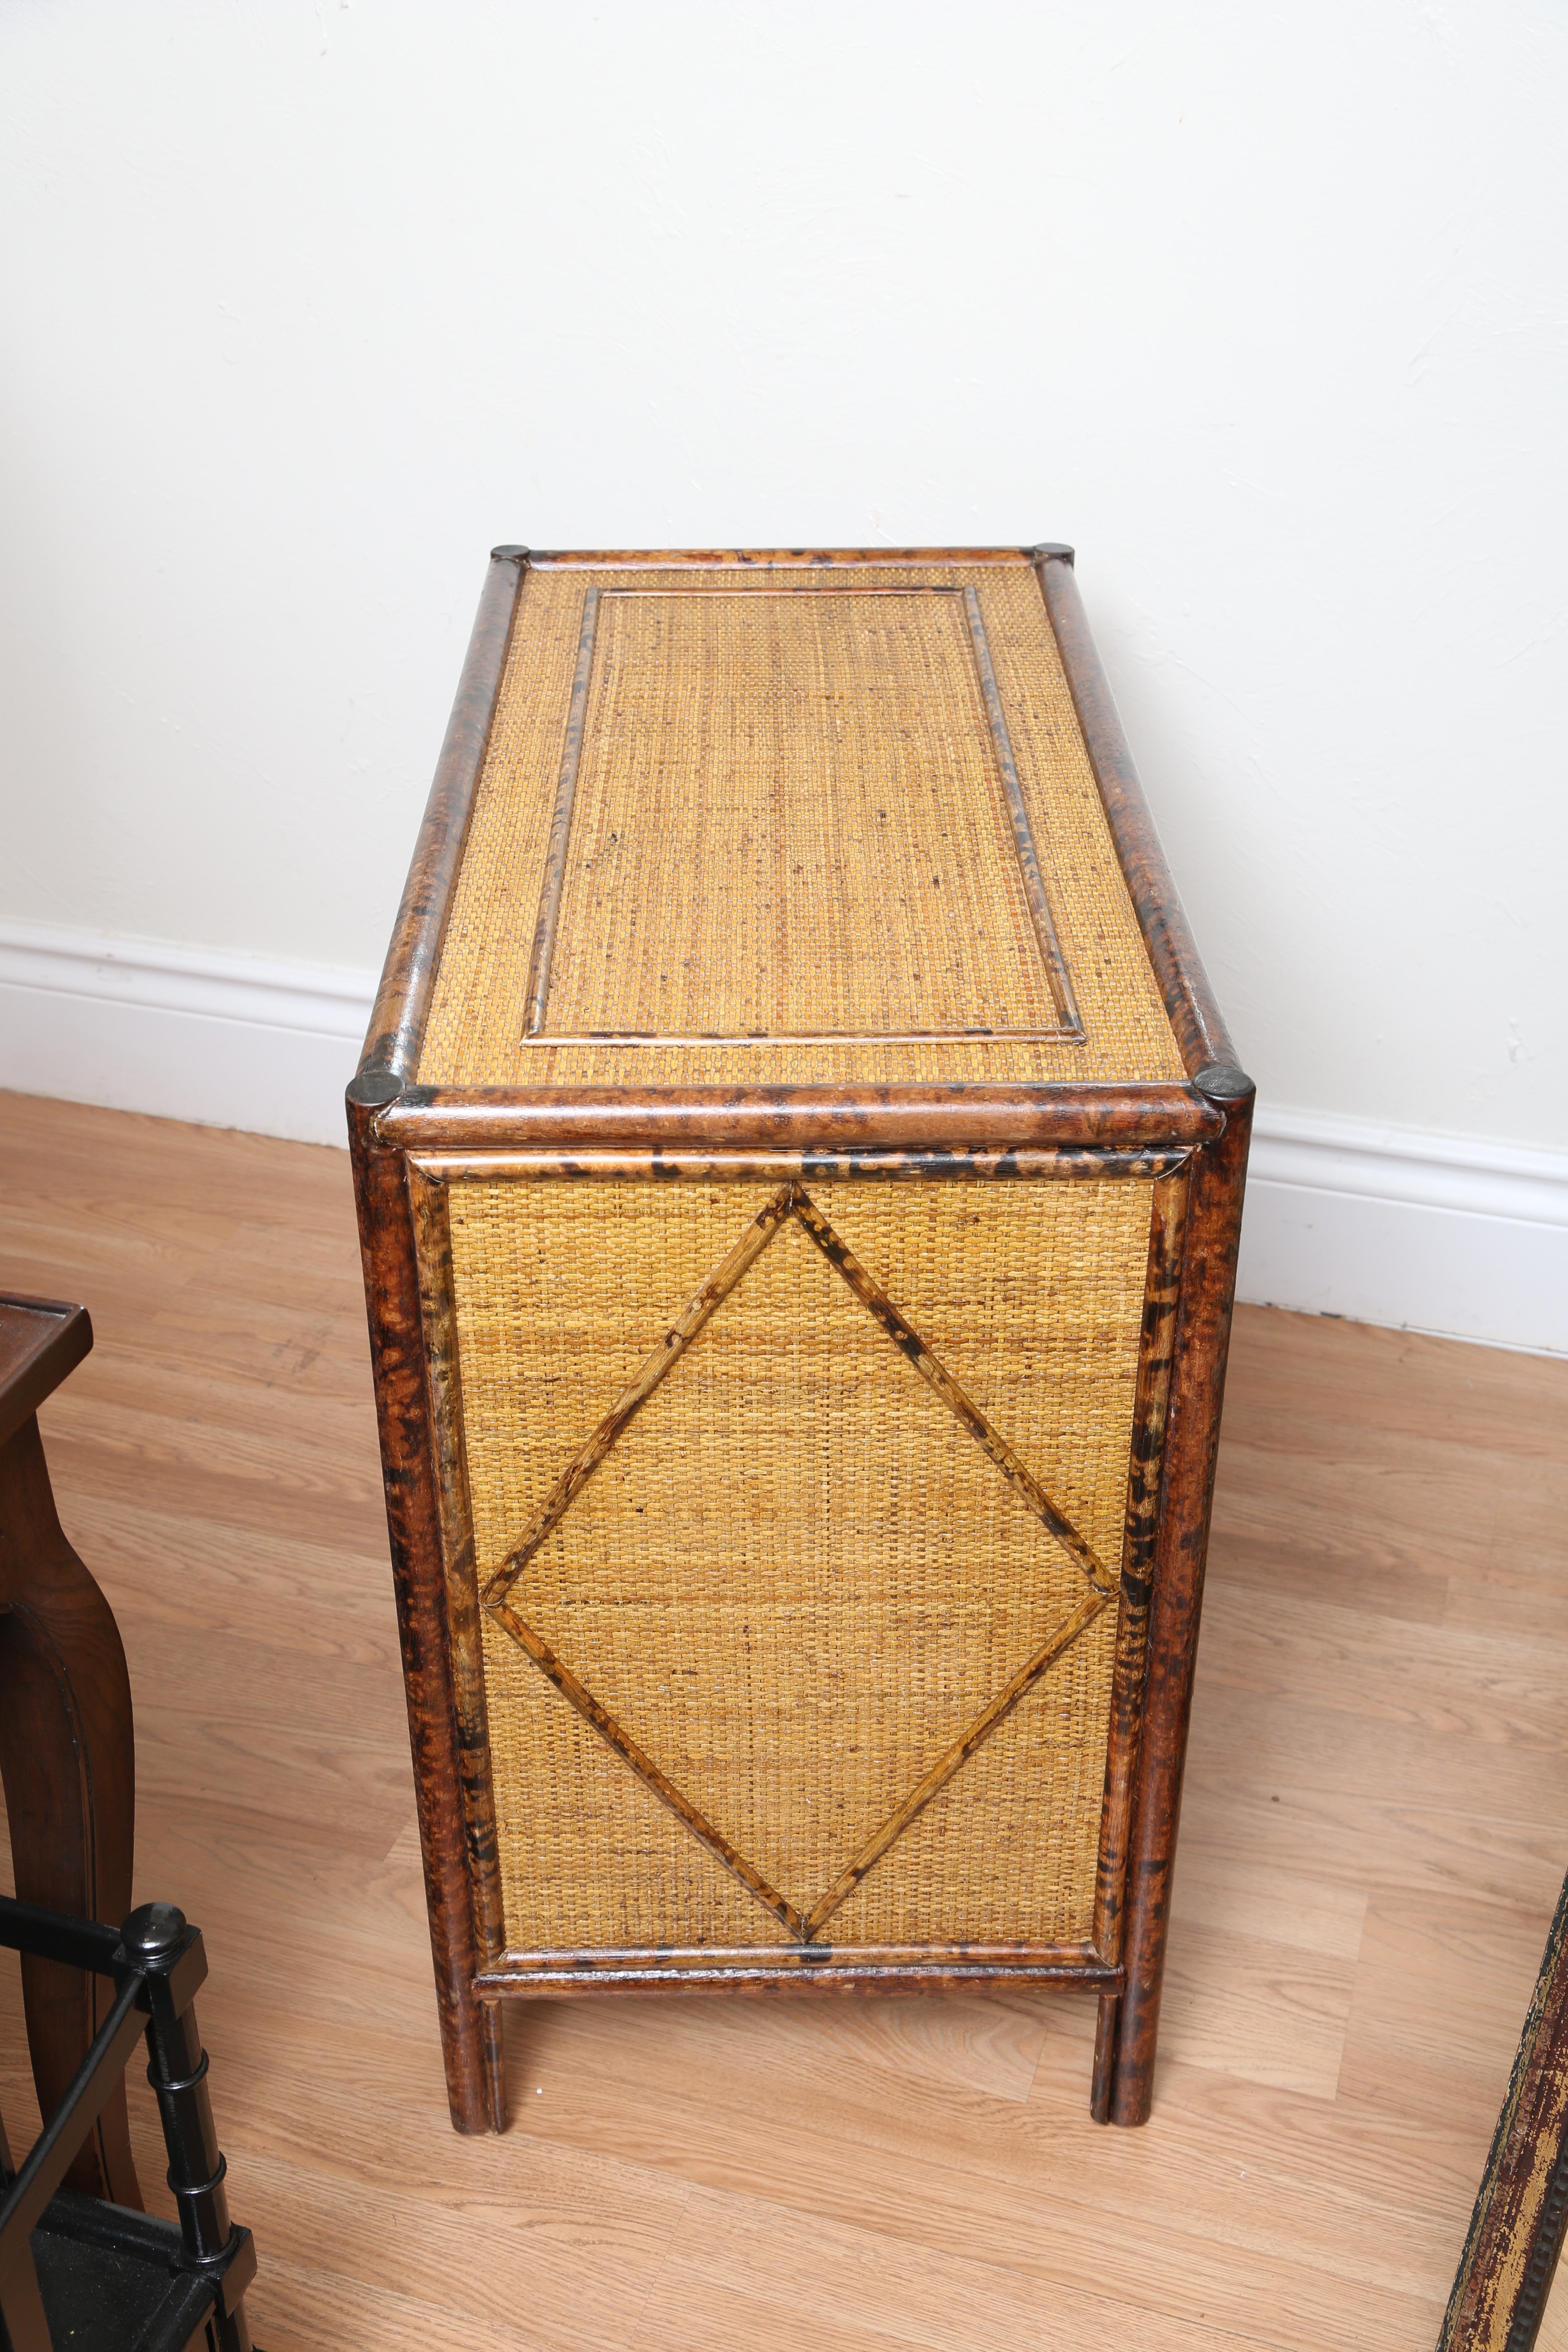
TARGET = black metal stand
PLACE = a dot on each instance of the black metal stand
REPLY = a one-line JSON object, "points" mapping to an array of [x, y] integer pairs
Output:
{"points": [[96, 2277]]}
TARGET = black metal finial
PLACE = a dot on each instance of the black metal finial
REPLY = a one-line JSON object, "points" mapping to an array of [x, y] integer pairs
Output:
{"points": [[153, 1929], [374, 1087], [1222, 1082], [1046, 548], [511, 554]]}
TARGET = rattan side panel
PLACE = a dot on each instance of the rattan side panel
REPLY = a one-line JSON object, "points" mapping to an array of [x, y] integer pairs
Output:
{"points": [[1008, 1848], [590, 1860], [475, 1036], [795, 1579]]}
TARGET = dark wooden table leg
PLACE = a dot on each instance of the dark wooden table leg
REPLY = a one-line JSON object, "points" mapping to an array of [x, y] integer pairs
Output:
{"points": [[67, 1758]]}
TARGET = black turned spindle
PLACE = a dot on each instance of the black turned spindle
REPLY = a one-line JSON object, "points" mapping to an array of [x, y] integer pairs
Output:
{"points": [[157, 1938]]}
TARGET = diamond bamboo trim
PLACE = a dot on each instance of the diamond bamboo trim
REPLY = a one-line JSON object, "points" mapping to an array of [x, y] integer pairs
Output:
{"points": [[631, 1399], [556, 1671], [791, 1200], [910, 1344]]}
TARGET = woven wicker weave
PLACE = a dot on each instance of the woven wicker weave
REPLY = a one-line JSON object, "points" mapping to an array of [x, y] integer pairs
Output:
{"points": [[795, 1579], [846, 817], [788, 818]]}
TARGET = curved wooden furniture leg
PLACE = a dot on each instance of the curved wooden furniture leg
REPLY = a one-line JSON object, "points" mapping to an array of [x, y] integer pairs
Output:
{"points": [[68, 1762]]}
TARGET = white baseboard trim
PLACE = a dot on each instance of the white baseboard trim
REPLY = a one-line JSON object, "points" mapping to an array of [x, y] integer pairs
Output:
{"points": [[181, 1033], [1434, 1233]]}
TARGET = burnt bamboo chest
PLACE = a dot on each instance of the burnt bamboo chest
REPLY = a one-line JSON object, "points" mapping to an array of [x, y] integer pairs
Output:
{"points": [[799, 1165]]}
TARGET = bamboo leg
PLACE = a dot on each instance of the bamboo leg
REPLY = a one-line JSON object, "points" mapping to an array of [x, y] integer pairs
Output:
{"points": [[403, 1408], [1198, 1390]]}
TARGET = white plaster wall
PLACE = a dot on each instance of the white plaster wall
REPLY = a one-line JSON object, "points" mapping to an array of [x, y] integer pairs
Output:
{"points": [[1266, 309]]}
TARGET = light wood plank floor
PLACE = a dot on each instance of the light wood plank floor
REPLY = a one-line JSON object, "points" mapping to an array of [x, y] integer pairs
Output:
{"points": [[1376, 1829]]}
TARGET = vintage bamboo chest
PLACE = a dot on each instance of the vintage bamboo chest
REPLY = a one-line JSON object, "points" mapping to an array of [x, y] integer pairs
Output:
{"points": [[799, 1167]]}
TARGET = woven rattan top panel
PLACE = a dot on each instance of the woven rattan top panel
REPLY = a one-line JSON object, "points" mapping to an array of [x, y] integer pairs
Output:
{"points": [[787, 824]]}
